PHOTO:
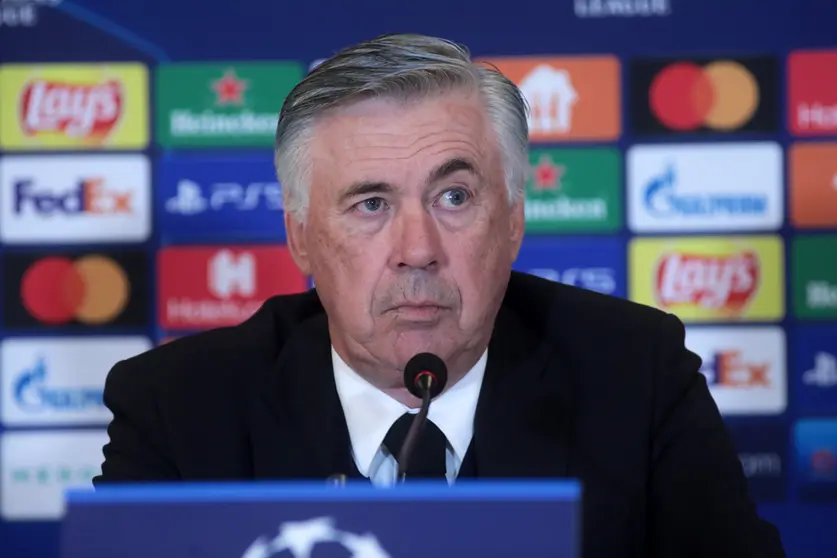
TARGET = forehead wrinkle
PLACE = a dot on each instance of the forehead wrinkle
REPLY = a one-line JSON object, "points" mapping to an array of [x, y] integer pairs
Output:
{"points": [[363, 113], [368, 147], [436, 147], [389, 141]]}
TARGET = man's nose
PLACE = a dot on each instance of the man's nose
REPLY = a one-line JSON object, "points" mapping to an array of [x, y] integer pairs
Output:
{"points": [[416, 238]]}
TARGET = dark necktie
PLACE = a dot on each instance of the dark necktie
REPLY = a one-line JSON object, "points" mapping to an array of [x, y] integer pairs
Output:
{"points": [[428, 459]]}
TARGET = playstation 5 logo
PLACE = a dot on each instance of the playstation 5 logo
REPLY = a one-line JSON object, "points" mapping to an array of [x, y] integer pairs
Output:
{"points": [[599, 279], [299, 538], [191, 200], [824, 372]]}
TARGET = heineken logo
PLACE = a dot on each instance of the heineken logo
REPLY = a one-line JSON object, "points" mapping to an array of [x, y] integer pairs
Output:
{"points": [[565, 209], [229, 92], [185, 123], [815, 285], [229, 89], [821, 295], [547, 175], [573, 190], [232, 104]]}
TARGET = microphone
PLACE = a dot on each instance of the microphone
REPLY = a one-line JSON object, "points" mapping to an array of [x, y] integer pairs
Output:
{"points": [[425, 377]]}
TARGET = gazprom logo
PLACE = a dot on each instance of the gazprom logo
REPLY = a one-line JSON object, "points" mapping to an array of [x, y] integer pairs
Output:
{"points": [[33, 393], [662, 200]]}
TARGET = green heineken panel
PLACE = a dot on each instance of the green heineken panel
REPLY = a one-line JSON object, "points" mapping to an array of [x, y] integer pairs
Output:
{"points": [[233, 104], [574, 191], [814, 276]]}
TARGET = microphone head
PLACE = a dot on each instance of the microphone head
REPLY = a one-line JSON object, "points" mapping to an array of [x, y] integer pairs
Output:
{"points": [[422, 369]]}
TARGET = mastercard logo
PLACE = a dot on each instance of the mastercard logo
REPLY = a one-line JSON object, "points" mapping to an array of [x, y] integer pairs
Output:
{"points": [[92, 290], [722, 95]]}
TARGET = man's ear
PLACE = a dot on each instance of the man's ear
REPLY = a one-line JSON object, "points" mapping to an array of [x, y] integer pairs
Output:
{"points": [[297, 243], [517, 226]]}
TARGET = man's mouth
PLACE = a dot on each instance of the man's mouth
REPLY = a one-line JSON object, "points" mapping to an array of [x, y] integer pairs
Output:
{"points": [[419, 310]]}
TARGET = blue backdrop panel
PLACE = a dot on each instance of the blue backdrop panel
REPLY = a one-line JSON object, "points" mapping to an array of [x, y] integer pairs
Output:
{"points": [[790, 458]]}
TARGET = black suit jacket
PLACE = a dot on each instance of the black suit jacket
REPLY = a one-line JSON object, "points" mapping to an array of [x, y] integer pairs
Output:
{"points": [[577, 385]]}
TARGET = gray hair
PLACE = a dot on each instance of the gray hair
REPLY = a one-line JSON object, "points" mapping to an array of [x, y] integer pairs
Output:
{"points": [[400, 66]]}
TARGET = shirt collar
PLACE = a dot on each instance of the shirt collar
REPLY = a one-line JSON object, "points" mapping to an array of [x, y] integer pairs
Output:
{"points": [[370, 412]]}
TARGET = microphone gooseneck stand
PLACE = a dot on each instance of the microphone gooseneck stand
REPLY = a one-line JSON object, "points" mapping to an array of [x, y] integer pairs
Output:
{"points": [[425, 384]]}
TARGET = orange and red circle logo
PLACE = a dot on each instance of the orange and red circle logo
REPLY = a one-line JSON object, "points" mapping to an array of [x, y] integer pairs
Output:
{"points": [[722, 95], [92, 290]]}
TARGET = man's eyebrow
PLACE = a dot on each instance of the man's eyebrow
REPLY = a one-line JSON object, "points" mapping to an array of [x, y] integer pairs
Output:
{"points": [[449, 167], [364, 189]]}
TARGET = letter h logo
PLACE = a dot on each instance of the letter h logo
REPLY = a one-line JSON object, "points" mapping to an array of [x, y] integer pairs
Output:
{"points": [[229, 275]]}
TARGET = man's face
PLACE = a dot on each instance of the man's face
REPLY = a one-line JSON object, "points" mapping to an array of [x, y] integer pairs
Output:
{"points": [[409, 235]]}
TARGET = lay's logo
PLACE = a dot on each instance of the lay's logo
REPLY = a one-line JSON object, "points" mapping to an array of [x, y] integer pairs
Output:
{"points": [[64, 106], [710, 279], [79, 111], [706, 281]]}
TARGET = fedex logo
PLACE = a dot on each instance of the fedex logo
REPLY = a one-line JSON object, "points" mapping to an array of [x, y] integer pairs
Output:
{"points": [[75, 199], [745, 367], [728, 368], [90, 195]]}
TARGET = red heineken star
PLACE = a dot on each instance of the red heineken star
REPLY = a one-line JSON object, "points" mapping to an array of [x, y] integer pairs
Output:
{"points": [[229, 89], [547, 175]]}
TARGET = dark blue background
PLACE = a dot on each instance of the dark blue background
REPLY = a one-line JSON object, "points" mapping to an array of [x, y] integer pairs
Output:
{"points": [[155, 31], [758, 441]]}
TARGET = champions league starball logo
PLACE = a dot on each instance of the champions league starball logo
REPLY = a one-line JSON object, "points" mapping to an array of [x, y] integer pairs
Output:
{"points": [[298, 539]]}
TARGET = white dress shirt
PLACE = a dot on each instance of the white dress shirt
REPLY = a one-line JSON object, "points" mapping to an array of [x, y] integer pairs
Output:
{"points": [[370, 413]]}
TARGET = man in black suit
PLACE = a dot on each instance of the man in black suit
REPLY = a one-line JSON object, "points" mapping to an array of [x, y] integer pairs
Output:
{"points": [[403, 166]]}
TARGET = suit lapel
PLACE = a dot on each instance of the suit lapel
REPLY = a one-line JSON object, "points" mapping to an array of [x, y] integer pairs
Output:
{"points": [[522, 422], [299, 430]]}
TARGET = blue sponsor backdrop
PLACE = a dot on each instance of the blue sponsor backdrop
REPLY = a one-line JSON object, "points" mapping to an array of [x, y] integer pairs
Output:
{"points": [[763, 449], [154, 32]]}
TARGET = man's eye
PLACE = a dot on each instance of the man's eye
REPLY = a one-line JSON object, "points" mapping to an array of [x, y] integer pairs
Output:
{"points": [[372, 205], [455, 197]]}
